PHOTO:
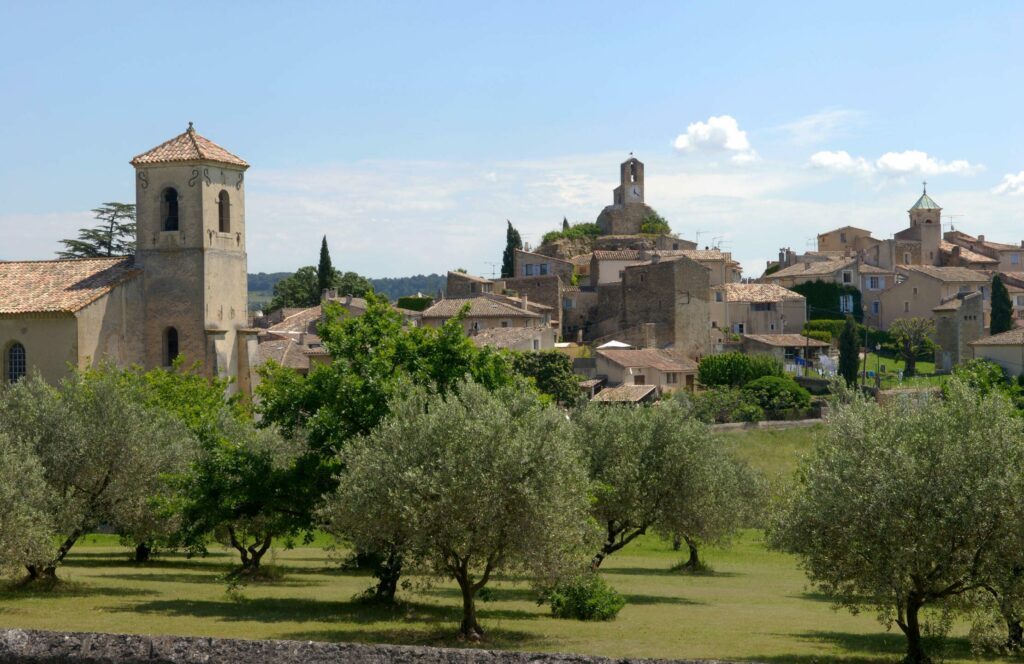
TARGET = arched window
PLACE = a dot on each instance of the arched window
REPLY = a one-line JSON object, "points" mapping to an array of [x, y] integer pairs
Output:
{"points": [[16, 362], [170, 346], [224, 212], [170, 209]]}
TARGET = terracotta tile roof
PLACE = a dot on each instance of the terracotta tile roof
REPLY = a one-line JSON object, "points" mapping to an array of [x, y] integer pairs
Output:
{"points": [[468, 277], [593, 382], [571, 289], [618, 255], [60, 285], [655, 358], [814, 269], [759, 293], [1014, 337], [303, 321], [864, 268], [1001, 246], [787, 340], [188, 146], [627, 393], [285, 352], [844, 228], [582, 259], [947, 274], [965, 253], [479, 307], [505, 337]]}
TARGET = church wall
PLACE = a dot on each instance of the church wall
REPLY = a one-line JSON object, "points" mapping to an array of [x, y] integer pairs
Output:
{"points": [[50, 341], [109, 328]]}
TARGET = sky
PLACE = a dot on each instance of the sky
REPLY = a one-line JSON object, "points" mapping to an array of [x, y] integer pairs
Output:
{"points": [[408, 133]]}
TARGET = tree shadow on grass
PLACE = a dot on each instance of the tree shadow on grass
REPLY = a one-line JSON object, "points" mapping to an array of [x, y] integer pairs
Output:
{"points": [[646, 600], [496, 594], [207, 577], [21, 590], [889, 646], [273, 609], [211, 562], [659, 571], [437, 636]]}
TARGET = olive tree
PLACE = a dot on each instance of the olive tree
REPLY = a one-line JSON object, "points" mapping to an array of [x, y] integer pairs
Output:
{"points": [[908, 505], [25, 524], [468, 484], [655, 469], [103, 453], [912, 337]]}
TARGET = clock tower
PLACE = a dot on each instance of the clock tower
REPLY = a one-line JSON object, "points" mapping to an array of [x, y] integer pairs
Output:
{"points": [[631, 182]]}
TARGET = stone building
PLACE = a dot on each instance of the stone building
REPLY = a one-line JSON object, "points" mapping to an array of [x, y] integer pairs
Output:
{"points": [[1005, 349], [184, 293], [958, 322], [919, 289], [738, 309], [628, 211]]}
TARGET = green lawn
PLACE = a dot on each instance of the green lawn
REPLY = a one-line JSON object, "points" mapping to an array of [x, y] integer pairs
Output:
{"points": [[755, 606], [890, 366]]}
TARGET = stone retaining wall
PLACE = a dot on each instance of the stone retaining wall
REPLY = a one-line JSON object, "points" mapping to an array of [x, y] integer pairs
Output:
{"points": [[41, 647]]}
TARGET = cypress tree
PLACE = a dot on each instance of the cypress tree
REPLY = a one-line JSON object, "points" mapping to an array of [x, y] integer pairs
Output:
{"points": [[324, 271], [1002, 307], [512, 242], [849, 362]]}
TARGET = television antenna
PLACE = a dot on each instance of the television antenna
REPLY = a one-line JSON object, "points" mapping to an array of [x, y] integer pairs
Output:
{"points": [[493, 266], [697, 235], [951, 217]]}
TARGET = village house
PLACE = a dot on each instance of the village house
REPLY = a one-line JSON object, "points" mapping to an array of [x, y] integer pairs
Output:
{"points": [[524, 339], [1006, 350], [483, 313], [789, 349], [959, 322], [1006, 257], [631, 394], [920, 288], [738, 309], [663, 369]]}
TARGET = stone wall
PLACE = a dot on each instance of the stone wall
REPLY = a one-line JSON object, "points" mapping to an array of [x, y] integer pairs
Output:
{"points": [[41, 647]]}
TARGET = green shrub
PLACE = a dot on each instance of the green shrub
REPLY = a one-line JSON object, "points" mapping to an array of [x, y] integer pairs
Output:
{"points": [[982, 375], [777, 394], [820, 335], [736, 369], [655, 224], [834, 327], [721, 405], [823, 299], [415, 302], [576, 231], [585, 597]]}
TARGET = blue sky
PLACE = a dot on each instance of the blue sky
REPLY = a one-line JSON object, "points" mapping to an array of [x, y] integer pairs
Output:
{"points": [[409, 132]]}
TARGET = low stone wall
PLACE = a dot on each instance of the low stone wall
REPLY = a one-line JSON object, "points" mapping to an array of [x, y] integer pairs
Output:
{"points": [[766, 424], [40, 647]]}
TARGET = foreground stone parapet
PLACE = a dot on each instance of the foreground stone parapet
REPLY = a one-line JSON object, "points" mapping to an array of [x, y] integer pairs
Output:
{"points": [[19, 646]]}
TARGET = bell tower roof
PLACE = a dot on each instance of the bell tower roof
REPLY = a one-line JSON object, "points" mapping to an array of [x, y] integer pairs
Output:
{"points": [[925, 202], [186, 147]]}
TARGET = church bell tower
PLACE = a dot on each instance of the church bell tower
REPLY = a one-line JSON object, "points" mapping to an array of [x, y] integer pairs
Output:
{"points": [[631, 182], [190, 231]]}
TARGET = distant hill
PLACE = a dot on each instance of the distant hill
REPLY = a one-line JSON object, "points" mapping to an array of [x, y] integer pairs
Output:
{"points": [[261, 286]]}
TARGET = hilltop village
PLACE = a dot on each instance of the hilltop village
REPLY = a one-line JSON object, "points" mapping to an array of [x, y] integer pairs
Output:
{"points": [[634, 304]]}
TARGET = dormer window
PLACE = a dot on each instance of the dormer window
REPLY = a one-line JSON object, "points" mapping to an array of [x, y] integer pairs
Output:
{"points": [[224, 212], [169, 207]]}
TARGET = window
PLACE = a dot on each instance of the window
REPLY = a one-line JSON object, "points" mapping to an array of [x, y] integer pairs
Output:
{"points": [[789, 353], [873, 283], [170, 209], [640, 380], [915, 290], [1014, 259], [714, 324], [847, 277], [568, 303], [675, 245], [737, 328], [16, 362], [761, 306], [1020, 300], [536, 344], [543, 268], [842, 238], [504, 323], [528, 269], [846, 304], [170, 346], [876, 306], [224, 212], [672, 378], [906, 307], [718, 296]]}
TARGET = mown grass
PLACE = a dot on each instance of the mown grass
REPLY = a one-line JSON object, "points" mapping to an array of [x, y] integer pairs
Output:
{"points": [[755, 605]]}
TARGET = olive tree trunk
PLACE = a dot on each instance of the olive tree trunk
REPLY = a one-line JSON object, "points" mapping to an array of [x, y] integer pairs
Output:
{"points": [[910, 625]]}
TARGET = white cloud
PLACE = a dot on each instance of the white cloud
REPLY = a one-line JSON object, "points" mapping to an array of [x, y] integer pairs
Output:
{"points": [[719, 133], [893, 164], [821, 126], [915, 161], [1011, 184], [840, 161]]}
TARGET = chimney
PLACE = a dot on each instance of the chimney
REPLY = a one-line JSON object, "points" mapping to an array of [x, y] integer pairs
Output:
{"points": [[807, 266], [981, 239], [526, 302], [348, 300], [649, 335]]}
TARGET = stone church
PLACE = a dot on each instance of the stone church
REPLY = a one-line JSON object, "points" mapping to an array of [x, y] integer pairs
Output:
{"points": [[183, 294]]}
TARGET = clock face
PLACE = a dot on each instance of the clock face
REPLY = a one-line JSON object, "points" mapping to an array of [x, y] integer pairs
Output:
{"points": [[636, 193]]}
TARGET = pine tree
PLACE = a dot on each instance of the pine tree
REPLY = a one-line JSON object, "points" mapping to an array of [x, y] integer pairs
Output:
{"points": [[512, 242], [849, 360], [114, 235], [325, 277], [1002, 307]]}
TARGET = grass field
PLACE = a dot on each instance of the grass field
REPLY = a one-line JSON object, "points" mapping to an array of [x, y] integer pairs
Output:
{"points": [[755, 605]]}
